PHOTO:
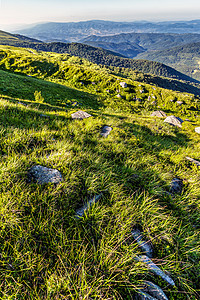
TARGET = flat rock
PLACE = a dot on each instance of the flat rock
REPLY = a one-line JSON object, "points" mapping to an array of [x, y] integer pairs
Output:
{"points": [[159, 114], [42, 175], [119, 96], [155, 269], [175, 121], [197, 130], [176, 186], [144, 245], [106, 131], [80, 115], [80, 212], [151, 291]]}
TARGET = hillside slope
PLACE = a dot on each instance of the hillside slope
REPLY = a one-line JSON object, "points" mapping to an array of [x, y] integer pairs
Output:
{"points": [[13, 39], [46, 251]]}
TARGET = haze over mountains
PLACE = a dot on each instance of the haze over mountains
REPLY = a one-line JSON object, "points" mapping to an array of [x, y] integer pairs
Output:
{"points": [[76, 31]]}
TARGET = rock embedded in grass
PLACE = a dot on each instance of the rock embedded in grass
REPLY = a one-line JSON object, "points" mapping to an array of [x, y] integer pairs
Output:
{"points": [[179, 102], [144, 245], [123, 84], [81, 211], [44, 116], [196, 162], [43, 175], [106, 131], [159, 114], [176, 186], [143, 296], [21, 103], [175, 121], [197, 130], [80, 115], [151, 291], [119, 96], [155, 269]]}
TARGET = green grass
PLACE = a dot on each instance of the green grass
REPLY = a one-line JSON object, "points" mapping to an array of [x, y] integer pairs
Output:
{"points": [[46, 253]]}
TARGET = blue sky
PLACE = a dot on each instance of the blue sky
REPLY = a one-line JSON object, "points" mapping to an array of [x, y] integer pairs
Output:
{"points": [[32, 11]]}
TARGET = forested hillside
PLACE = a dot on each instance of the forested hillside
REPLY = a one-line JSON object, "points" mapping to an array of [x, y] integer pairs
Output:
{"points": [[185, 58], [132, 44]]}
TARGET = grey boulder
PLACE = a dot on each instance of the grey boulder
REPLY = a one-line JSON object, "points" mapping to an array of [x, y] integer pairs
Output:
{"points": [[43, 175], [106, 131], [176, 186]]}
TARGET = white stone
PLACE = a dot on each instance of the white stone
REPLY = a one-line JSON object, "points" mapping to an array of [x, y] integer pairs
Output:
{"points": [[80, 115], [159, 114], [123, 84], [175, 121], [197, 130]]}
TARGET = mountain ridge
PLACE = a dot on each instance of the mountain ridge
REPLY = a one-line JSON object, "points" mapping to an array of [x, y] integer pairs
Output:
{"points": [[74, 31]]}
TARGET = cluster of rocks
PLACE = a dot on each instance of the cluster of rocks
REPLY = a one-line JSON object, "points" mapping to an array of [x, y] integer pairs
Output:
{"points": [[150, 290]]}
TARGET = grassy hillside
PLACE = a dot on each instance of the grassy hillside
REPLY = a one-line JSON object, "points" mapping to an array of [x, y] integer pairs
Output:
{"points": [[100, 56], [185, 58], [46, 252]]}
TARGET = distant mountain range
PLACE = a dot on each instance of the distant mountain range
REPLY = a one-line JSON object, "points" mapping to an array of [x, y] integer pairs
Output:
{"points": [[76, 31]]}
